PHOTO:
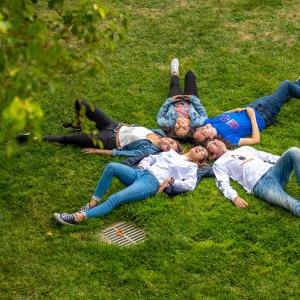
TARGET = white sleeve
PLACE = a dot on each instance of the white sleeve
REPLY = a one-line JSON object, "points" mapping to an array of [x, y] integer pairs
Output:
{"points": [[223, 181], [147, 161], [188, 183]]}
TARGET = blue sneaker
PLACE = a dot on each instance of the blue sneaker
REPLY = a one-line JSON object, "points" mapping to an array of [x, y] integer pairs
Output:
{"points": [[66, 219]]}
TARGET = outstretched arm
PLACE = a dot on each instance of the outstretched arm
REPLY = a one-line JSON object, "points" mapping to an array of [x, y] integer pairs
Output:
{"points": [[97, 151], [223, 184], [255, 138]]}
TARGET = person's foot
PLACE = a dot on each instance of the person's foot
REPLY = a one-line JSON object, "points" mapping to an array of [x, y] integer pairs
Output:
{"points": [[175, 67], [88, 206], [65, 219], [298, 80], [71, 126], [23, 137]]}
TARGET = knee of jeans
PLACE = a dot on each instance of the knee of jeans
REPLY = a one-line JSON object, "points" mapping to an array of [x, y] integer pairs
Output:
{"points": [[190, 74], [294, 152], [286, 83], [111, 167]]}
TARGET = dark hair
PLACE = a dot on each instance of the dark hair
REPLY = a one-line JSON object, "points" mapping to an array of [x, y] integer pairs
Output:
{"points": [[171, 133]]}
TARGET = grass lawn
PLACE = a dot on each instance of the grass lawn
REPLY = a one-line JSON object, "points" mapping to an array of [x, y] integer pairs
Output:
{"points": [[198, 245]]}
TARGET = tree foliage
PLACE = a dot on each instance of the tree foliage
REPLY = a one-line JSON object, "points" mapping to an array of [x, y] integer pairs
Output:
{"points": [[40, 42]]}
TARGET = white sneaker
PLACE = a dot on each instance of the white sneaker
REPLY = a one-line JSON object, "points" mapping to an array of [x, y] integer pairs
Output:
{"points": [[175, 67]]}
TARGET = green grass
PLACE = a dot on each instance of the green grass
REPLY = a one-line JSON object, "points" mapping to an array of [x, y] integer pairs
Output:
{"points": [[199, 245]]}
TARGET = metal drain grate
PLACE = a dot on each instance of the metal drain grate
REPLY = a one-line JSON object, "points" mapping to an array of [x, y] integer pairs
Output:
{"points": [[123, 234]]}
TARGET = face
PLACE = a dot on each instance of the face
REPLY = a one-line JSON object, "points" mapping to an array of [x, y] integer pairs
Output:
{"points": [[198, 154], [204, 133], [182, 127], [216, 148], [167, 143]]}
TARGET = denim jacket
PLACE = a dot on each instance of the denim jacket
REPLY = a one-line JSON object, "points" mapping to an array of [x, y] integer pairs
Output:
{"points": [[205, 171], [140, 147], [167, 114]]}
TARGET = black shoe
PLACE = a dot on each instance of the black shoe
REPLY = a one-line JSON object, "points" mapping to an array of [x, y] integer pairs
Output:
{"points": [[65, 219], [23, 137], [70, 126]]}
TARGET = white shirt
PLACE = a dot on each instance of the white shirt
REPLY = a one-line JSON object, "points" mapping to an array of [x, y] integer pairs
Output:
{"points": [[130, 134], [245, 165], [172, 164]]}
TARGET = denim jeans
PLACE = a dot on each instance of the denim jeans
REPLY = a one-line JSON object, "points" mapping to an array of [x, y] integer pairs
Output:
{"points": [[269, 106], [140, 184], [270, 186]]}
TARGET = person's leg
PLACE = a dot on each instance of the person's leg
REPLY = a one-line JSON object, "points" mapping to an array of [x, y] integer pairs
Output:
{"points": [[190, 85], [125, 174], [144, 186], [269, 190], [81, 140], [174, 86], [270, 187], [289, 161], [94, 114], [269, 106]]}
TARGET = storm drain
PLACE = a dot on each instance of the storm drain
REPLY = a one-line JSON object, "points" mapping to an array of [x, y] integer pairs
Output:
{"points": [[124, 234]]}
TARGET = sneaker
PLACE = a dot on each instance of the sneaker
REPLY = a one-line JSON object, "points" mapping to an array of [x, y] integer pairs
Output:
{"points": [[175, 67], [87, 207], [298, 80], [65, 219], [70, 126], [23, 137]]}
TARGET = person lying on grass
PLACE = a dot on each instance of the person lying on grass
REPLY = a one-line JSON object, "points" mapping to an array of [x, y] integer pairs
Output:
{"points": [[181, 112], [153, 175], [117, 139], [261, 173], [237, 125]]}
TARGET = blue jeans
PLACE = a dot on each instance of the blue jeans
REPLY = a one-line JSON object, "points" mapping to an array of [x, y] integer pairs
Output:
{"points": [[140, 184], [269, 106], [270, 186]]}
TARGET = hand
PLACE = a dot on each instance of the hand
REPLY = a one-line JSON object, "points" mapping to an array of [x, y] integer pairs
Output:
{"points": [[90, 150], [167, 182], [187, 97], [240, 202], [177, 97], [250, 112]]}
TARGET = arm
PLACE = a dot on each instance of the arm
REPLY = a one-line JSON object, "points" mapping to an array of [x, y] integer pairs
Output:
{"points": [[205, 171], [147, 162], [142, 151], [223, 184], [235, 110], [97, 151], [161, 119], [202, 115], [255, 138], [265, 156], [188, 183]]}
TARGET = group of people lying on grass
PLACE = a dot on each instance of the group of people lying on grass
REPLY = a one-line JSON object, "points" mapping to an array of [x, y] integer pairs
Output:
{"points": [[156, 162]]}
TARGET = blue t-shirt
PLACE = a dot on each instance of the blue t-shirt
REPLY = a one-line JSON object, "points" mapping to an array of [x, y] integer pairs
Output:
{"points": [[235, 125]]}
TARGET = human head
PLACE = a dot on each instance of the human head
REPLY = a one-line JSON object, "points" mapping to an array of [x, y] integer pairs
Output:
{"points": [[198, 155], [204, 133], [216, 148], [182, 127], [167, 143]]}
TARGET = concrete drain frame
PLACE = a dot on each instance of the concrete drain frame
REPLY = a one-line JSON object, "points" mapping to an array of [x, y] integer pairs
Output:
{"points": [[123, 234]]}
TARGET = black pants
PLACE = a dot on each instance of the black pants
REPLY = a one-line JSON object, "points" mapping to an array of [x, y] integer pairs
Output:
{"points": [[106, 126], [190, 85]]}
